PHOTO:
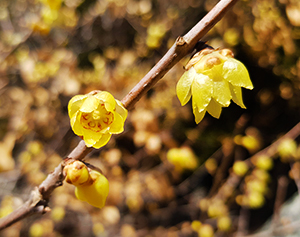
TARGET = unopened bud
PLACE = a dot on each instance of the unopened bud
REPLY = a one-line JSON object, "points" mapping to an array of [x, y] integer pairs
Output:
{"points": [[76, 173]]}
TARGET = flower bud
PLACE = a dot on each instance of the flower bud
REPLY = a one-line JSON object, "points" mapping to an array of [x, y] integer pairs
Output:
{"points": [[76, 173]]}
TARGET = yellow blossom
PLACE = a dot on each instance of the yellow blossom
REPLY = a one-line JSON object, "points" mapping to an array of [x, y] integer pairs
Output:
{"points": [[96, 116], [91, 186], [212, 79]]}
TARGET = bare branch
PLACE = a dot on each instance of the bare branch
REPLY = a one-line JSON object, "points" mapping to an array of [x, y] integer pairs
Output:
{"points": [[38, 201], [183, 46]]}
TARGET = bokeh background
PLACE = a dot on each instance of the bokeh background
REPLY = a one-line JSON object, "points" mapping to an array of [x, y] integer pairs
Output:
{"points": [[168, 176]]}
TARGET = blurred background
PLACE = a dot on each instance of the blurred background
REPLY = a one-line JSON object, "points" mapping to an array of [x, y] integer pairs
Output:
{"points": [[168, 176]]}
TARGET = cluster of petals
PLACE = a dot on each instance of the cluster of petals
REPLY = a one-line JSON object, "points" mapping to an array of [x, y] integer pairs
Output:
{"points": [[91, 186], [96, 116], [213, 78]]}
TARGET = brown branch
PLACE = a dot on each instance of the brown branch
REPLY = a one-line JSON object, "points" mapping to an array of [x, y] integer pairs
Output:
{"points": [[38, 201], [184, 45], [282, 185]]}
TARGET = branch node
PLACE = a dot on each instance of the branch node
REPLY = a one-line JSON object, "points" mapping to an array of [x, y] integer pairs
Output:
{"points": [[180, 41]]}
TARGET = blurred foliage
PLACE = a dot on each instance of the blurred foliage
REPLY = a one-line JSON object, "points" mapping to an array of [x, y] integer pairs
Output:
{"points": [[52, 50]]}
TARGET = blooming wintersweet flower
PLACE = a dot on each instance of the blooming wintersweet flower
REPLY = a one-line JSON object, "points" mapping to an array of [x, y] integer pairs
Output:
{"points": [[213, 78], [96, 116]]}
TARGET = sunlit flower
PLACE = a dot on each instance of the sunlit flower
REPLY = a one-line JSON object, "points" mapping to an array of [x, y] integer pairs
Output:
{"points": [[91, 186], [96, 116], [212, 79]]}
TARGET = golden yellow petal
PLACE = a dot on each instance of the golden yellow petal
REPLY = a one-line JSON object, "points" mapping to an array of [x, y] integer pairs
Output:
{"points": [[214, 109], [103, 141], [202, 89], [198, 115], [120, 109], [79, 193], [90, 104], [75, 103], [118, 125], [90, 137], [108, 99], [236, 73], [221, 92], [76, 125], [237, 97], [183, 88]]}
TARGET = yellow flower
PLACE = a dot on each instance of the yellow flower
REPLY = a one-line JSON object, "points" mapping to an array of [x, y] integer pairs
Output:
{"points": [[91, 185], [213, 78], [96, 116]]}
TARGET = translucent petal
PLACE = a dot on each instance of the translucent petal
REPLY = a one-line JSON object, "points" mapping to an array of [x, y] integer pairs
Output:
{"points": [[108, 99], [96, 193], [80, 194], [202, 89], [236, 93], [75, 103], [90, 104], [198, 115], [221, 92], [214, 109], [76, 125], [118, 124], [102, 187], [121, 110], [90, 137], [183, 88], [103, 141], [236, 73]]}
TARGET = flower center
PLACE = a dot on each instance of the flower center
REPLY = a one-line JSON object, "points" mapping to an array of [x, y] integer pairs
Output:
{"points": [[97, 120]]}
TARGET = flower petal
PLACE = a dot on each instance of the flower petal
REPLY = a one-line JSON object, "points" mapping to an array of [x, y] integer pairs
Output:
{"points": [[108, 99], [76, 125], [103, 141], [90, 104], [117, 125], [236, 93], [236, 73], [75, 103], [183, 88], [80, 194], [198, 115], [214, 109], [121, 110], [90, 137], [221, 92], [202, 89]]}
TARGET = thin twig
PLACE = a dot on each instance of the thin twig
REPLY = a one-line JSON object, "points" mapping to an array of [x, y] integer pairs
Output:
{"points": [[233, 180], [183, 46], [279, 200]]}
